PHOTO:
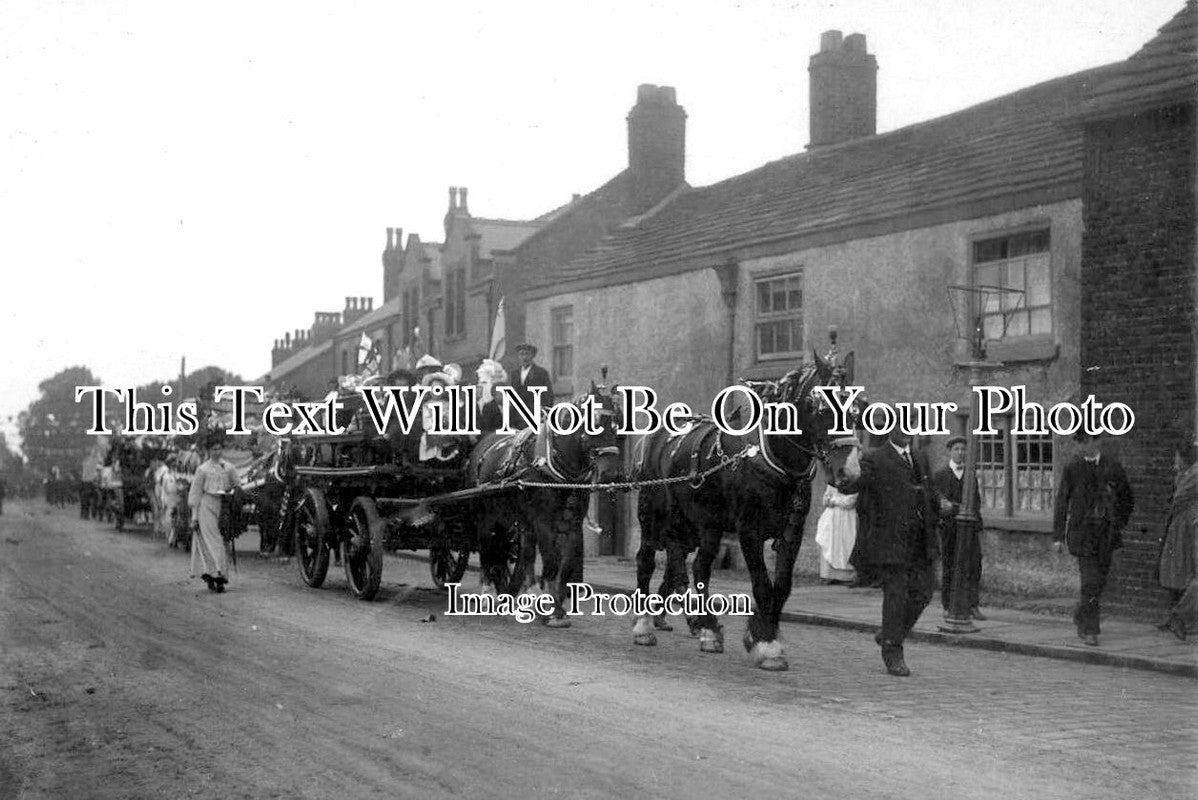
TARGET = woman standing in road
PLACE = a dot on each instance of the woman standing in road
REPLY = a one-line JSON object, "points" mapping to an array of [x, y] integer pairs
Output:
{"points": [[213, 480]]}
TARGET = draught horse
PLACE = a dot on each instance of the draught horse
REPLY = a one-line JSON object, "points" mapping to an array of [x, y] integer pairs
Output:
{"points": [[516, 523], [764, 495]]}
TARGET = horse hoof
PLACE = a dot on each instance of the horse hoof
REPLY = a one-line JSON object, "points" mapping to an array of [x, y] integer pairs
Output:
{"points": [[645, 639], [557, 622], [661, 624], [710, 646], [774, 665]]}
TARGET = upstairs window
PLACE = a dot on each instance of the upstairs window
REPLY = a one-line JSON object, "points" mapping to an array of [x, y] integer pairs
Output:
{"points": [[778, 316], [455, 303], [561, 336], [1017, 261]]}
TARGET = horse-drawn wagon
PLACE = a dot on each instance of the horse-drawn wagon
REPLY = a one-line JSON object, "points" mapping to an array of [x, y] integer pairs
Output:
{"points": [[359, 494]]}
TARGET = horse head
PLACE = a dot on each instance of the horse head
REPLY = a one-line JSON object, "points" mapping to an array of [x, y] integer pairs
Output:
{"points": [[591, 450], [800, 388], [604, 446]]}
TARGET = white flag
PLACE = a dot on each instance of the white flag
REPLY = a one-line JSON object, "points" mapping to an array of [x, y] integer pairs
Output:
{"points": [[368, 357], [498, 342]]}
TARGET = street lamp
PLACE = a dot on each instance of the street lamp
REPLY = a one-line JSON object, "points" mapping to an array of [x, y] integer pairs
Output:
{"points": [[968, 520]]}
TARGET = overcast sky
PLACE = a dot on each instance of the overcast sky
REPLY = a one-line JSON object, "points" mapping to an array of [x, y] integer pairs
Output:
{"points": [[195, 180]]}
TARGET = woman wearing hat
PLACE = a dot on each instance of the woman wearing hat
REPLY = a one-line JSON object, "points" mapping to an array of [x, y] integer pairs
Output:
{"points": [[434, 415], [213, 479]]}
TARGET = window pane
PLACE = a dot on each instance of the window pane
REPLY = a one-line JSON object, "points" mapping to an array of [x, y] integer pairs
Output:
{"points": [[794, 298], [1014, 277], [1041, 321], [782, 337], [1033, 474], [1017, 325], [989, 276], [765, 339], [992, 326], [989, 250], [1039, 287], [763, 298]]}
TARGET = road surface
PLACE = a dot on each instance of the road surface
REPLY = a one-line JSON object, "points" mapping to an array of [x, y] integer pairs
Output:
{"points": [[122, 677]]}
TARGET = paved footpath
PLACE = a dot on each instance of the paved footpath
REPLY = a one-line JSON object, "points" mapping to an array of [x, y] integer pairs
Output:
{"points": [[1124, 643]]}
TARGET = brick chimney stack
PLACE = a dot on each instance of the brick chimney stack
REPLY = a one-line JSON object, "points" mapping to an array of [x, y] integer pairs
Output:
{"points": [[392, 263], [844, 90], [656, 145], [324, 325]]}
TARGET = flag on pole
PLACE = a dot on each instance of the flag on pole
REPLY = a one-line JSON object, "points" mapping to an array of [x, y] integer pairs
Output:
{"points": [[368, 357], [498, 342]]}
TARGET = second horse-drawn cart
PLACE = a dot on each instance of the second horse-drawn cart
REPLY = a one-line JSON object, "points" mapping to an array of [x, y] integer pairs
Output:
{"points": [[358, 495]]}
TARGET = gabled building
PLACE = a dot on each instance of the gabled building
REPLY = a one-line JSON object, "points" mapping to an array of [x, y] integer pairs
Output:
{"points": [[869, 232], [455, 295]]}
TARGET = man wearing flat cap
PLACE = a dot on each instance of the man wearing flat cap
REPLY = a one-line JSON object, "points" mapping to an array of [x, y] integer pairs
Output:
{"points": [[948, 483], [528, 377]]}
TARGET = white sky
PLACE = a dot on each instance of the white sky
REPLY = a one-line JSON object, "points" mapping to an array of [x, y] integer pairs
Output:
{"points": [[198, 179]]}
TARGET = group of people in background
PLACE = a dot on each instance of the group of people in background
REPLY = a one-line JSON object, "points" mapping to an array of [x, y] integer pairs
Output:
{"points": [[887, 518], [435, 413]]}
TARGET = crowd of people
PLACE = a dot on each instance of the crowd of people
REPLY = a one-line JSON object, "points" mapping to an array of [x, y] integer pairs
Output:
{"points": [[887, 519]]}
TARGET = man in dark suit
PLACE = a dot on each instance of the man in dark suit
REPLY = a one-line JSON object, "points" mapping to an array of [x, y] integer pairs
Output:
{"points": [[899, 537], [530, 376], [1093, 504], [948, 485]]}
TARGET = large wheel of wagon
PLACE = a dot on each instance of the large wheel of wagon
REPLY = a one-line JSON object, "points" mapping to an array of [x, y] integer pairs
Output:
{"points": [[447, 566], [364, 551], [312, 538]]}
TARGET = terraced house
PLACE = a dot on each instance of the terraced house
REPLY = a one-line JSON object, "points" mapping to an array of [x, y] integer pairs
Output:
{"points": [[1074, 197]]}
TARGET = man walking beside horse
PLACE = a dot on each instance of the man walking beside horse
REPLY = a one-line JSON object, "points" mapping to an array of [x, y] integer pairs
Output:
{"points": [[897, 534]]}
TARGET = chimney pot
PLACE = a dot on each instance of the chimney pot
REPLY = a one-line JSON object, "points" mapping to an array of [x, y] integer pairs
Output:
{"points": [[462, 200], [390, 238], [453, 197], [843, 90], [656, 145], [829, 41]]}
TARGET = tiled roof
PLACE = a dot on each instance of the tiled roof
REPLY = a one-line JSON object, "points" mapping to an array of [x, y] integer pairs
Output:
{"points": [[501, 234], [614, 194], [298, 359], [1009, 146], [1163, 72]]}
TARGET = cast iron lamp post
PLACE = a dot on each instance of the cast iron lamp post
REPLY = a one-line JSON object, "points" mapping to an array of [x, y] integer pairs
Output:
{"points": [[968, 521]]}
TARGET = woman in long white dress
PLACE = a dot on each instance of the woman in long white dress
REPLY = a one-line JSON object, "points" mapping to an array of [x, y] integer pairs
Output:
{"points": [[836, 533], [213, 479]]}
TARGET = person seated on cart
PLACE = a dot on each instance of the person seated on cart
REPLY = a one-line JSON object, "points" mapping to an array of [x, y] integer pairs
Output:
{"points": [[490, 415], [405, 447], [436, 412]]}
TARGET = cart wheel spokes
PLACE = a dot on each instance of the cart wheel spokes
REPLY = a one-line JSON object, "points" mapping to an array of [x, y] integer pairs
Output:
{"points": [[364, 552], [447, 565], [312, 538]]}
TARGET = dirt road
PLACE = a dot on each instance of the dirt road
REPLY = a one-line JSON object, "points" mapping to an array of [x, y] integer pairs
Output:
{"points": [[121, 677]]}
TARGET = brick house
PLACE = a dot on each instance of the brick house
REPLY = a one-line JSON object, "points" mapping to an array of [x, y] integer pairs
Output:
{"points": [[864, 231], [1138, 274]]}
